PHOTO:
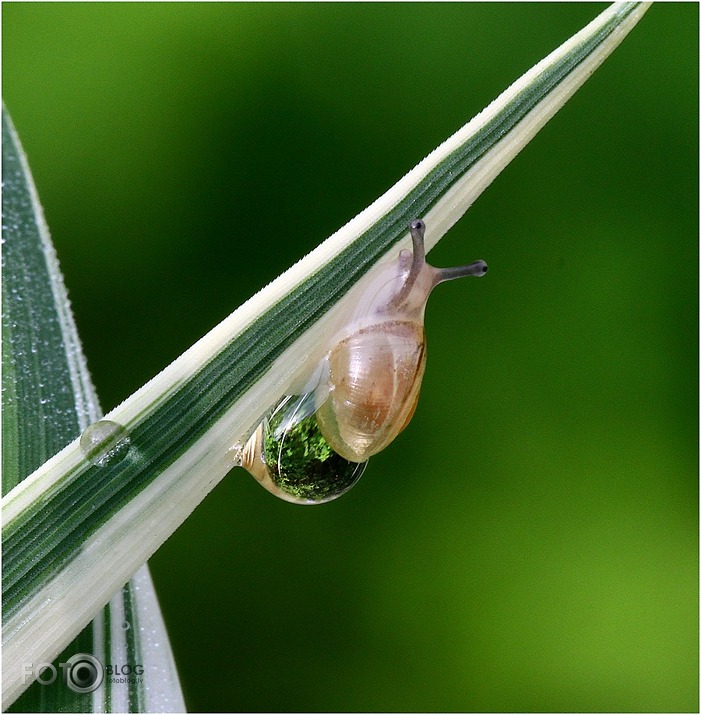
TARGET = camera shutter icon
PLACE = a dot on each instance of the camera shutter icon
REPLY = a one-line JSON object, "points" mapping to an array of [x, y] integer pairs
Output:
{"points": [[84, 673]]}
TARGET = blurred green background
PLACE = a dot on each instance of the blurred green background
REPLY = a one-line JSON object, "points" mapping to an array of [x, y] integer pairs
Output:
{"points": [[530, 543]]}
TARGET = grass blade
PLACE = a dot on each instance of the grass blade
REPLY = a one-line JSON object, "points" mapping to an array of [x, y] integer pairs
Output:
{"points": [[73, 526], [48, 399]]}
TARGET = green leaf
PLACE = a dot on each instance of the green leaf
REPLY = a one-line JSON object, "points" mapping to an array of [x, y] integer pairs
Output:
{"points": [[48, 400], [74, 530]]}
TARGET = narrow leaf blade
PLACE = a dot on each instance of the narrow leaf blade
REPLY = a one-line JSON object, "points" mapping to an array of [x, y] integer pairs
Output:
{"points": [[185, 422], [48, 399]]}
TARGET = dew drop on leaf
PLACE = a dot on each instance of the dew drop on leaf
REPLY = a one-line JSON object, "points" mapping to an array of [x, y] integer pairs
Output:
{"points": [[105, 443]]}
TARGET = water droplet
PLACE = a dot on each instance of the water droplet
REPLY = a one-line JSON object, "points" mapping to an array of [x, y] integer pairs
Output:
{"points": [[235, 455], [126, 625], [105, 443], [289, 456]]}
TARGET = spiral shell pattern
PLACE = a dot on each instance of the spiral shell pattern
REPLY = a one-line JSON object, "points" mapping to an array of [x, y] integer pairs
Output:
{"points": [[374, 378]]}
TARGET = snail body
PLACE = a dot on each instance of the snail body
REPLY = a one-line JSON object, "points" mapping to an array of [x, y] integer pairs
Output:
{"points": [[312, 447], [375, 373]]}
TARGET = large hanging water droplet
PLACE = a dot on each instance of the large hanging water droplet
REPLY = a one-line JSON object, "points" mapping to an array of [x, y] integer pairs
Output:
{"points": [[289, 456], [105, 443]]}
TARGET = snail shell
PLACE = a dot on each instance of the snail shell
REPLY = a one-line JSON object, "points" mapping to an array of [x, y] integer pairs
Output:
{"points": [[375, 377], [375, 373]]}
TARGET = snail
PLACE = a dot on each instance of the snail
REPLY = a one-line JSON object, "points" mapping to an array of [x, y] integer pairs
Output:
{"points": [[311, 448], [375, 373]]}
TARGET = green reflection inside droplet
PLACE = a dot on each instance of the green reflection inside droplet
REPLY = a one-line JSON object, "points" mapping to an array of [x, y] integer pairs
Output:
{"points": [[300, 461]]}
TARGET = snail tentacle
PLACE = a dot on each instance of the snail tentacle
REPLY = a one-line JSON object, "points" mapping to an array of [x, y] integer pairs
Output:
{"points": [[476, 268]]}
